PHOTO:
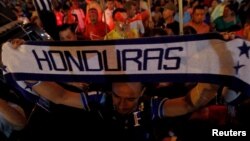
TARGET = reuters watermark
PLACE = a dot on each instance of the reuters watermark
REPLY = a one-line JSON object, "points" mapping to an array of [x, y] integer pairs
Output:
{"points": [[228, 133]]}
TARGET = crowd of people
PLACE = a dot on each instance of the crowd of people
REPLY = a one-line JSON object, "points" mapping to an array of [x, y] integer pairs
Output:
{"points": [[125, 111], [96, 20]]}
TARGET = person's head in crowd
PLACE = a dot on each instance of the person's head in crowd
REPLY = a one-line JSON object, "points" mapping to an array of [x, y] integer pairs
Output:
{"points": [[74, 4], [120, 17], [188, 30], [169, 11], [157, 8], [194, 3], [126, 96], [130, 7], [110, 4], [214, 3], [228, 10], [118, 3], [30, 6], [198, 14], [120, 14], [93, 15], [18, 10], [185, 6], [56, 4], [162, 2], [67, 32], [65, 8]]}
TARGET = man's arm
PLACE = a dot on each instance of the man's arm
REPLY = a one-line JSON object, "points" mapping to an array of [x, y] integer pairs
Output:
{"points": [[13, 114], [51, 90], [58, 95], [199, 96]]}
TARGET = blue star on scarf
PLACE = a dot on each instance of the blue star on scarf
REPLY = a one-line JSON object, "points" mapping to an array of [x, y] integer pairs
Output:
{"points": [[244, 49], [237, 67], [28, 87]]}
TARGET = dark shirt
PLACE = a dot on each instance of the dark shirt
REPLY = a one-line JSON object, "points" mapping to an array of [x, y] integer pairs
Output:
{"points": [[174, 26], [137, 126]]}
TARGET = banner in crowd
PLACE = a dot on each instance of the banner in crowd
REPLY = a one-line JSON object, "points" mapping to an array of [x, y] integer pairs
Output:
{"points": [[191, 58]]}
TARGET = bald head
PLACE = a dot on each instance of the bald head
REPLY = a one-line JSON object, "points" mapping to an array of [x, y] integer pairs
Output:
{"points": [[126, 96], [136, 87]]}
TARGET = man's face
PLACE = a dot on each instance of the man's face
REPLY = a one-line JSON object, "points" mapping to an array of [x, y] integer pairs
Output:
{"points": [[132, 11], [198, 16], [110, 5], [214, 3], [93, 16], [125, 97], [67, 35], [227, 11], [121, 19], [167, 13]]}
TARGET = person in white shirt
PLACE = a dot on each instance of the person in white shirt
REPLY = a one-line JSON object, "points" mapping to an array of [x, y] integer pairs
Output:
{"points": [[107, 15], [134, 20]]}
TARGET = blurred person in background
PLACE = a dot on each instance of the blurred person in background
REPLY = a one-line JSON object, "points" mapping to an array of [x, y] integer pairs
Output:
{"points": [[197, 21], [107, 14], [228, 20], [95, 30], [122, 29], [168, 22], [46, 14]]}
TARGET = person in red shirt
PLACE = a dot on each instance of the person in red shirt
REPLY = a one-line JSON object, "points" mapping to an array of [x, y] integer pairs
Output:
{"points": [[245, 31], [59, 16], [95, 30], [197, 21]]}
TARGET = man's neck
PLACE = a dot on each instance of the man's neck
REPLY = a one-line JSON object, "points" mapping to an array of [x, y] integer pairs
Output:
{"points": [[93, 23], [197, 23]]}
